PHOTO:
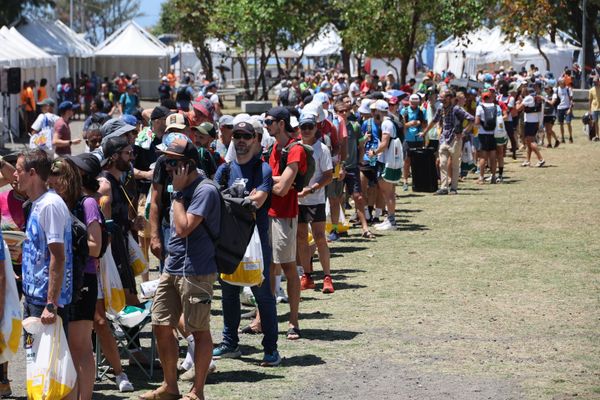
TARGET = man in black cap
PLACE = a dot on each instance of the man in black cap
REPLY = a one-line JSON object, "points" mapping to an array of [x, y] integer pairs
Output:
{"points": [[284, 208], [186, 285]]}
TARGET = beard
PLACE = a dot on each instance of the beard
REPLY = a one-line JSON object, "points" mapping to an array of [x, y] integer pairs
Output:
{"points": [[242, 150], [122, 165]]}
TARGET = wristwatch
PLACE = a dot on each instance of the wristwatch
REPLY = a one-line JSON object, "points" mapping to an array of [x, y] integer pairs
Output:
{"points": [[177, 195], [312, 190], [51, 307]]}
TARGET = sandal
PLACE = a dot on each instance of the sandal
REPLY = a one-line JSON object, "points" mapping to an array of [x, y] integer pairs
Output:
{"points": [[368, 235], [251, 330], [293, 333], [190, 396], [159, 394]]}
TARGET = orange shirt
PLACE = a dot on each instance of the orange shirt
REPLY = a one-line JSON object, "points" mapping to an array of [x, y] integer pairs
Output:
{"points": [[27, 99], [172, 79], [42, 93]]}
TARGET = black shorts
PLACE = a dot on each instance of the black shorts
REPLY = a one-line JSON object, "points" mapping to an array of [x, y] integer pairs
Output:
{"points": [[84, 308], [370, 172], [435, 145], [531, 128], [308, 214], [352, 181], [487, 142], [549, 119], [34, 310]]}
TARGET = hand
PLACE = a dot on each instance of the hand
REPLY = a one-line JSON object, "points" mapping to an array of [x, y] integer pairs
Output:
{"points": [[421, 134], [305, 192], [138, 223], [156, 247], [76, 141], [179, 177], [47, 317], [371, 153]]}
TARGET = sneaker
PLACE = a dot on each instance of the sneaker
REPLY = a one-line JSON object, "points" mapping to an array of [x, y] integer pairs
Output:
{"points": [[525, 164], [570, 140], [500, 179], [557, 143], [441, 192], [453, 192], [405, 187], [327, 285], [595, 139], [307, 282], [494, 180], [123, 383], [386, 226], [190, 374], [300, 270], [271, 360], [224, 351], [281, 297], [540, 163], [333, 236]]}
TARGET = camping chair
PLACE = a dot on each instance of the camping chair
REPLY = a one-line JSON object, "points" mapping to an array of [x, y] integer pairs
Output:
{"points": [[126, 343]]}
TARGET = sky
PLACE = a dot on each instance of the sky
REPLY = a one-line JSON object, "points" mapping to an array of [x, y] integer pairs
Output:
{"points": [[151, 9]]}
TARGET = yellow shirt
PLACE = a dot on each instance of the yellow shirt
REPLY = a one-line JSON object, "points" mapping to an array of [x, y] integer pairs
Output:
{"points": [[594, 97]]}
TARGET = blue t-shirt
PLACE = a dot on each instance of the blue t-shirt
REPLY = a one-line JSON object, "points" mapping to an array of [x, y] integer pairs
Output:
{"points": [[411, 134], [129, 103], [196, 252], [372, 143], [260, 179], [49, 222]]}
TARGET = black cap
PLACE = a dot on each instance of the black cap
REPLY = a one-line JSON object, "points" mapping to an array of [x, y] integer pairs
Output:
{"points": [[159, 112], [281, 114], [87, 162], [244, 127], [113, 145]]}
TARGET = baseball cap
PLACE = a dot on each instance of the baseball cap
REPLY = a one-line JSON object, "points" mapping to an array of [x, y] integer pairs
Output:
{"points": [[321, 98], [414, 97], [159, 112], [113, 145], [306, 118], [316, 109], [175, 121], [241, 117], [65, 105], [209, 128], [365, 106], [380, 105], [487, 95], [129, 119], [244, 127], [46, 102], [181, 148], [257, 125], [281, 114], [225, 120], [115, 127], [87, 162], [205, 106], [294, 122]]}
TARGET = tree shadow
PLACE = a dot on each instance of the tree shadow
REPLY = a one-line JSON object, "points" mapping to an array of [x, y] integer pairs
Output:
{"points": [[328, 335], [239, 377]]}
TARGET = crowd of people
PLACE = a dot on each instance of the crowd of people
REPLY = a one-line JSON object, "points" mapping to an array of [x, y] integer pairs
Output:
{"points": [[322, 150]]}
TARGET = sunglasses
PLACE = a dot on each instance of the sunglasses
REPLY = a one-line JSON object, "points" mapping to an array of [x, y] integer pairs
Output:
{"points": [[245, 136], [228, 126], [172, 162], [307, 127], [268, 122]]}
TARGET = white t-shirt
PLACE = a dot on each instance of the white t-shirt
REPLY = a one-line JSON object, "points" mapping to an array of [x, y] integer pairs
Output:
{"points": [[354, 88], [340, 87], [387, 126], [564, 95], [323, 163], [42, 119], [214, 98], [529, 101], [479, 112]]}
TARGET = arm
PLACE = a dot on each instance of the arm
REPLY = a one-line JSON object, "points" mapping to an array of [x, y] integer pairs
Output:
{"points": [[139, 174], [94, 231], [258, 197], [325, 180], [155, 221], [383, 143], [55, 277], [284, 182], [105, 197], [184, 222], [146, 114]]}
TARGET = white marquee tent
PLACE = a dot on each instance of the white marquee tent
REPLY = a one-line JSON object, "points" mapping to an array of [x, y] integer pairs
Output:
{"points": [[489, 48], [35, 63], [132, 49], [327, 43], [73, 52]]}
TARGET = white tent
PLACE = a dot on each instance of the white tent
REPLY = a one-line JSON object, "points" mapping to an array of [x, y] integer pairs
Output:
{"points": [[132, 49], [74, 53], [35, 63], [327, 42], [489, 48]]}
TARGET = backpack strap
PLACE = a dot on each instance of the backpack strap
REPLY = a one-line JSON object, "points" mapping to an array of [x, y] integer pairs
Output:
{"points": [[224, 181]]}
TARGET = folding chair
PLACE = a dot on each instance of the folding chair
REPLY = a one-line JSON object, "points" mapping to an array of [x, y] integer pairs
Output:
{"points": [[127, 346]]}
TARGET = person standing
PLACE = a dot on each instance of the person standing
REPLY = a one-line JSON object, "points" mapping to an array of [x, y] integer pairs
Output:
{"points": [[414, 122], [28, 104], [594, 107], [486, 119], [61, 139], [186, 285], [532, 105], [164, 90], [129, 101], [565, 109]]}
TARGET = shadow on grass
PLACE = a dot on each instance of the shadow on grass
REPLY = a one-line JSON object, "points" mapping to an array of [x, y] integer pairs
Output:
{"points": [[403, 196], [302, 361], [347, 249], [412, 227], [239, 376], [407, 211], [328, 335], [303, 316]]}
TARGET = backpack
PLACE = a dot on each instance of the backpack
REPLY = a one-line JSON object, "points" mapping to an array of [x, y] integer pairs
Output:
{"points": [[399, 127], [490, 115], [292, 97], [183, 94], [81, 251], [80, 214], [238, 220], [301, 180]]}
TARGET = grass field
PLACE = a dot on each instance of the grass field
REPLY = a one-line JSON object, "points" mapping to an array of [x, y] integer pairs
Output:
{"points": [[491, 294]]}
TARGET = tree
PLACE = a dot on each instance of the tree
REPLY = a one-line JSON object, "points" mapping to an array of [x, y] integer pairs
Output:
{"points": [[11, 10]]}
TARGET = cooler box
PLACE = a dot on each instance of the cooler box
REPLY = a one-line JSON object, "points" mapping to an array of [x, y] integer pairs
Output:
{"points": [[423, 171]]}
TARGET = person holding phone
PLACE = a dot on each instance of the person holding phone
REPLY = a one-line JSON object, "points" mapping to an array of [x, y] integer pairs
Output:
{"points": [[61, 140]]}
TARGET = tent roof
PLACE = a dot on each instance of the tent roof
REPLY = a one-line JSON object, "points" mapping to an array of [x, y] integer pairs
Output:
{"points": [[17, 51], [326, 43], [131, 40], [55, 38]]}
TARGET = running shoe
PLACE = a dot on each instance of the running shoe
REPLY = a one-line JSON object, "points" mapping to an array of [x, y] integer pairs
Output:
{"points": [[123, 383], [307, 282], [327, 285], [386, 226], [333, 236], [271, 360], [540, 163], [525, 164], [281, 297], [405, 187], [441, 192], [225, 351]]}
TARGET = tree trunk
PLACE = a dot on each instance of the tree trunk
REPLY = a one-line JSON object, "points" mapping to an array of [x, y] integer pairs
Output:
{"points": [[410, 42], [345, 60], [203, 54], [539, 47], [244, 68]]}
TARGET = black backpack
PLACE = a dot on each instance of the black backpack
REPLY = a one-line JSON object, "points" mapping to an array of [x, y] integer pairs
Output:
{"points": [[490, 116], [79, 240], [79, 213], [183, 94], [238, 220]]}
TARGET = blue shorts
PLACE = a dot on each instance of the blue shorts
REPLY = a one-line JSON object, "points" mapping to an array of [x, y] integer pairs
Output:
{"points": [[596, 115], [564, 116]]}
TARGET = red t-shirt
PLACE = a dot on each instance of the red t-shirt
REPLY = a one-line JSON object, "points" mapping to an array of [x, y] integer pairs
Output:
{"points": [[64, 133], [286, 206], [327, 128]]}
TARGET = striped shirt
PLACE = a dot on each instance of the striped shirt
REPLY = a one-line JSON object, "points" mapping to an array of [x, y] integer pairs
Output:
{"points": [[450, 124]]}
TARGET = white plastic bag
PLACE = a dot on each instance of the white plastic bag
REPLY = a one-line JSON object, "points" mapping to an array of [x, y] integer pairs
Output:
{"points": [[42, 139], [467, 153], [250, 270], [394, 155], [114, 295], [137, 261], [12, 320], [50, 370], [500, 131]]}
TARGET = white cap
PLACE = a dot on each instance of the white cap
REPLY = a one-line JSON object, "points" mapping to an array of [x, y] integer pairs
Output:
{"points": [[364, 106], [294, 122], [321, 98], [414, 97], [243, 117], [380, 105], [316, 109]]}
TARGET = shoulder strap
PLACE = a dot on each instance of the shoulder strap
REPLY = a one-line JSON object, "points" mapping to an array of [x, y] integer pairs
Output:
{"points": [[207, 181], [224, 181]]}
